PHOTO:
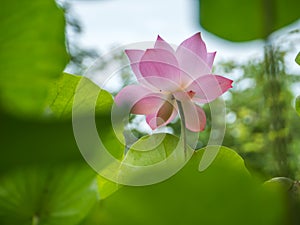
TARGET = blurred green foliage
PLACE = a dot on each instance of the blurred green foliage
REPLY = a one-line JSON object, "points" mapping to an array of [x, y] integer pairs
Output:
{"points": [[44, 195], [297, 59], [32, 54], [297, 105], [248, 20], [223, 194], [43, 177], [261, 118], [266, 124]]}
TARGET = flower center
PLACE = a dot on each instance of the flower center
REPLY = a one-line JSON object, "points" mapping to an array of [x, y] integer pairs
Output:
{"points": [[191, 93]]}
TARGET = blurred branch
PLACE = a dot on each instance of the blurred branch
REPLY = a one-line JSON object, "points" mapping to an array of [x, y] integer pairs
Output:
{"points": [[80, 58], [274, 83]]}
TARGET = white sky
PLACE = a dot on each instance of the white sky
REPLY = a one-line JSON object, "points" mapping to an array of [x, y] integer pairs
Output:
{"points": [[116, 22]]}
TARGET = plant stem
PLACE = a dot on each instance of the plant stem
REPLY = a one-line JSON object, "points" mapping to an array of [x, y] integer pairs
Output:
{"points": [[276, 105], [183, 128], [35, 220]]}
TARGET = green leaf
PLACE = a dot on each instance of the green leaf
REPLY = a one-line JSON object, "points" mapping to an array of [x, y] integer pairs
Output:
{"points": [[27, 142], [89, 97], [222, 194], [284, 183], [32, 54], [247, 20], [297, 59], [62, 95], [31, 141], [297, 104], [96, 216], [106, 187], [147, 151], [52, 196]]}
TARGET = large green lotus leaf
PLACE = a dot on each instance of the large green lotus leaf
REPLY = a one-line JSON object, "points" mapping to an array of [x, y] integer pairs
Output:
{"points": [[32, 53], [47, 196], [26, 142], [148, 150], [247, 20], [96, 215], [224, 193], [89, 97], [50, 142], [62, 93], [29, 141]]}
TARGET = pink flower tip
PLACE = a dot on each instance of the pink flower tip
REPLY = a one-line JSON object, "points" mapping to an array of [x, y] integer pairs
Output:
{"points": [[159, 38]]}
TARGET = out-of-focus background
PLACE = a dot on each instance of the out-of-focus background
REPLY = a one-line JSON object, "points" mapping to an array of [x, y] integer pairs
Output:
{"points": [[99, 27], [46, 47]]}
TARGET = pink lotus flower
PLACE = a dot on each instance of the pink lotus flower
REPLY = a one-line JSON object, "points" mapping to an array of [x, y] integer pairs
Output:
{"points": [[171, 78]]}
